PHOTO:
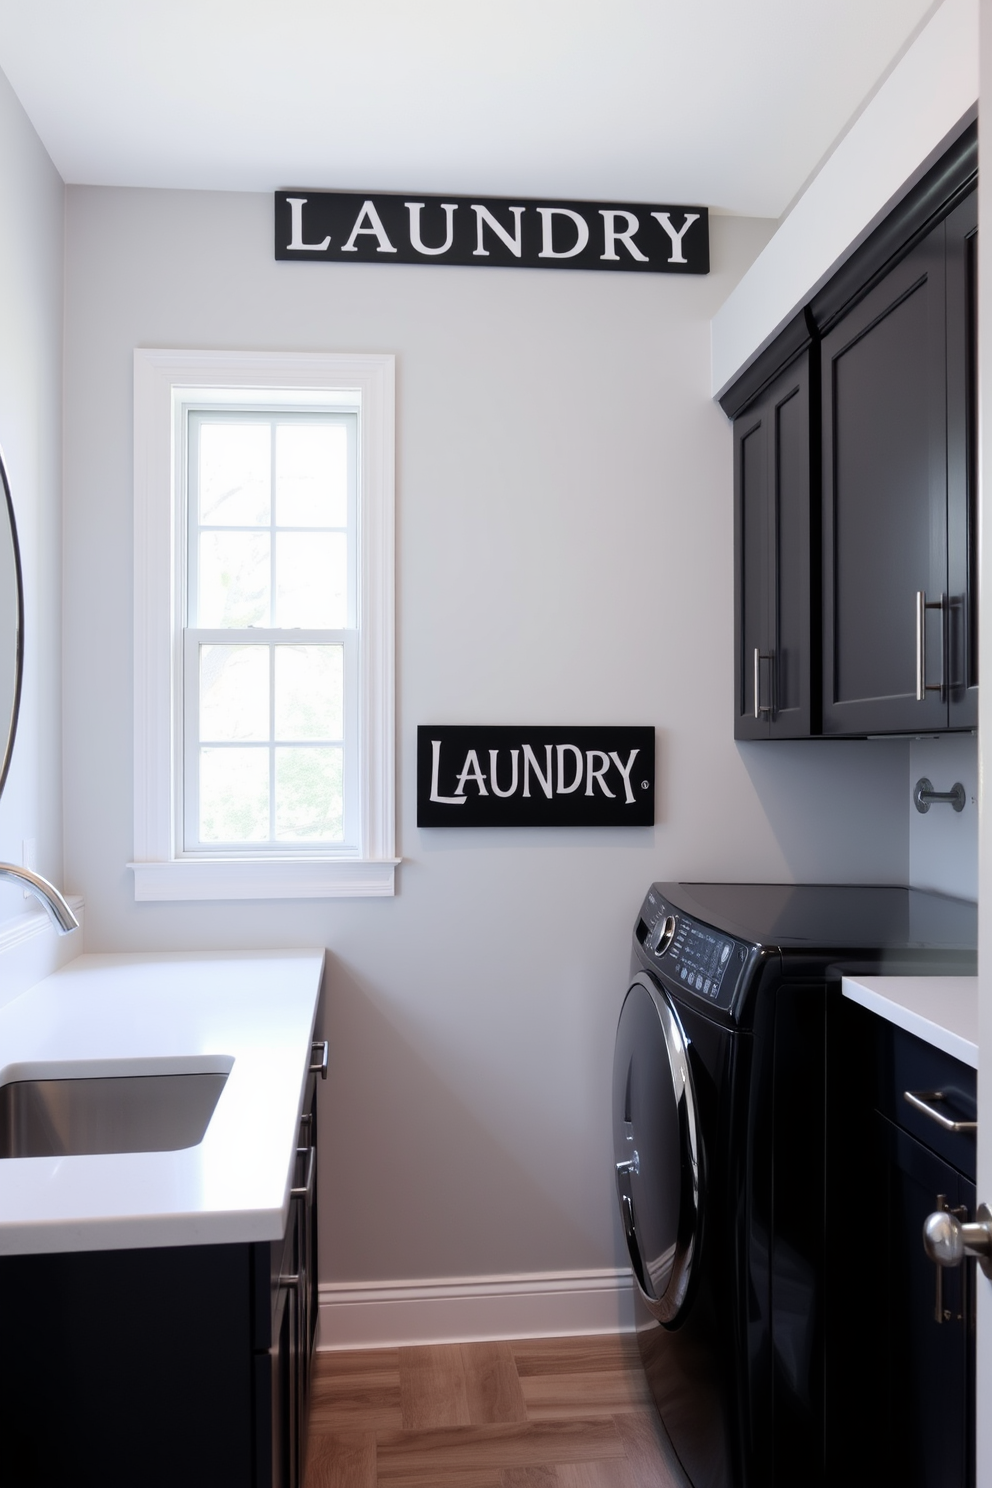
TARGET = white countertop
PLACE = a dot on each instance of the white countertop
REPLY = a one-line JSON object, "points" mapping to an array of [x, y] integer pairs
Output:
{"points": [[941, 1010], [184, 1011]]}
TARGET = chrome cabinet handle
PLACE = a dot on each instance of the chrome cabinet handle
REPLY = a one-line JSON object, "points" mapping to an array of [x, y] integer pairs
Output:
{"points": [[290, 1281], [947, 1241], [919, 1101], [306, 1192], [759, 707], [319, 1067], [922, 605]]}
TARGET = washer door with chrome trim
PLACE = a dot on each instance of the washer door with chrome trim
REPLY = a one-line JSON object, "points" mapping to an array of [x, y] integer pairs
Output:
{"points": [[656, 1147]]}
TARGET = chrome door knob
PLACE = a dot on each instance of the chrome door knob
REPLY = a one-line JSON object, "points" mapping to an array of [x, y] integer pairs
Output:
{"points": [[947, 1241]]}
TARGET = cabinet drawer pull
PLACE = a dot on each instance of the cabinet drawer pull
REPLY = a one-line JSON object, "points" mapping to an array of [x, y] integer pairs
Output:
{"points": [[919, 1101], [289, 1281], [922, 605], [306, 1192], [318, 1066]]}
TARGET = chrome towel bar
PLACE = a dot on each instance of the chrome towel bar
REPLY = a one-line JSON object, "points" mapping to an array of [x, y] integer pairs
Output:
{"points": [[924, 795]]}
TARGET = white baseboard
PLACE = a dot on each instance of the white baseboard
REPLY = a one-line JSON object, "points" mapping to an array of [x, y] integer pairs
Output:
{"points": [[389, 1314]]}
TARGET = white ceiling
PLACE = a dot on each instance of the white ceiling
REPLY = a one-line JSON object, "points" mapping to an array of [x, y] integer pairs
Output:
{"points": [[728, 103]]}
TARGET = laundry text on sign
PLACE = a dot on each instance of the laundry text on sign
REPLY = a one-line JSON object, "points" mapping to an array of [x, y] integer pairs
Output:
{"points": [[351, 227]]}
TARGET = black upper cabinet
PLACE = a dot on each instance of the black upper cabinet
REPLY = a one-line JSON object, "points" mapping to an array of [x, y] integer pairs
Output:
{"points": [[855, 487], [885, 504], [898, 495], [771, 537]]}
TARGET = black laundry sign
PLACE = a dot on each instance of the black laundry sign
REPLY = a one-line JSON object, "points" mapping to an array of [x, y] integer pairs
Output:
{"points": [[535, 777], [493, 232]]}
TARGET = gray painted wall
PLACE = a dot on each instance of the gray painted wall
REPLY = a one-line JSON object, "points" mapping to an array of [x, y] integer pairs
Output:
{"points": [[31, 253], [943, 843], [564, 555]]}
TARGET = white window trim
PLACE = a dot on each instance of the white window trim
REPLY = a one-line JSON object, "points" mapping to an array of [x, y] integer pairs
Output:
{"points": [[160, 873]]}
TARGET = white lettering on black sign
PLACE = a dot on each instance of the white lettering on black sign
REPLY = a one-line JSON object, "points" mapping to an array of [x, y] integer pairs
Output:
{"points": [[352, 227], [535, 777]]}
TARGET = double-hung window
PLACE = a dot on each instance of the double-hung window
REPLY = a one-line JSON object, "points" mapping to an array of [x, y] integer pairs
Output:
{"points": [[271, 641], [263, 626]]}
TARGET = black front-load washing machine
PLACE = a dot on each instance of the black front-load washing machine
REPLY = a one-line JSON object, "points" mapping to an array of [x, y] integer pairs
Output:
{"points": [[726, 1073]]}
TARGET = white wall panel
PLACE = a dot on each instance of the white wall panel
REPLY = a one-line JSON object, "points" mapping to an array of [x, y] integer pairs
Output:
{"points": [[31, 251], [564, 555], [943, 843]]}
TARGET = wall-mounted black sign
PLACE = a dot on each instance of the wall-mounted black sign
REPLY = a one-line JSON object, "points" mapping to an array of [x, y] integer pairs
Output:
{"points": [[535, 777], [490, 232]]}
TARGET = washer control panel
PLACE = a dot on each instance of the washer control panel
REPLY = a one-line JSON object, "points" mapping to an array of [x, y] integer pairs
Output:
{"points": [[702, 960], [661, 935]]}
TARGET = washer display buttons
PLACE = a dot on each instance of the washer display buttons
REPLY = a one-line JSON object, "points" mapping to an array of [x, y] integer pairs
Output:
{"points": [[702, 957]]}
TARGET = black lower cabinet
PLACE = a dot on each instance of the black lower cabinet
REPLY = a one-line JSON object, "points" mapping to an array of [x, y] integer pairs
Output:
{"points": [[929, 1364], [285, 1287], [901, 1351], [186, 1365]]}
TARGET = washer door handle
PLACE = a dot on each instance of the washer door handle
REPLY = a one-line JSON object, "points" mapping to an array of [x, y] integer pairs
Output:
{"points": [[630, 1235]]}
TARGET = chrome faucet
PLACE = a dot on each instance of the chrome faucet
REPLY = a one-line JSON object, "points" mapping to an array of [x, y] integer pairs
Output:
{"points": [[62, 916]]}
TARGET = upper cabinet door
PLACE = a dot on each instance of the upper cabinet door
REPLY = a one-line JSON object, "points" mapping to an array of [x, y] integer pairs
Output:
{"points": [[885, 602], [962, 464], [772, 554], [751, 557]]}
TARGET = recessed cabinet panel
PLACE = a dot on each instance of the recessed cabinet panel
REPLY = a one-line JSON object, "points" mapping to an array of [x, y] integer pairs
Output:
{"points": [[754, 569], [791, 534], [929, 1360], [885, 503]]}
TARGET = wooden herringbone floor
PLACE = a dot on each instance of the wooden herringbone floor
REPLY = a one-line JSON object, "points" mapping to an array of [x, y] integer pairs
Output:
{"points": [[532, 1413]]}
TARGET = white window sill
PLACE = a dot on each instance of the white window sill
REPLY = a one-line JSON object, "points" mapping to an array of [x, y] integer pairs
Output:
{"points": [[260, 878]]}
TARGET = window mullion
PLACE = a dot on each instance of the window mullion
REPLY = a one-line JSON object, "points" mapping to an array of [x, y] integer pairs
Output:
{"points": [[272, 523], [273, 615], [190, 822], [272, 743]]}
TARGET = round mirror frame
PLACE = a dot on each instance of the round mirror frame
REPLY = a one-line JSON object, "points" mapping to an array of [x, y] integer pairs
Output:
{"points": [[8, 747]]}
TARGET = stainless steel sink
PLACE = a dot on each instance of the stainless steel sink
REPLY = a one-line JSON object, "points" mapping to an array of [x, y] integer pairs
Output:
{"points": [[119, 1113]]}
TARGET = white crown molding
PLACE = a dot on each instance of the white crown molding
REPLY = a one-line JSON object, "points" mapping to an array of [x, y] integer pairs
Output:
{"points": [[391, 1314]]}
